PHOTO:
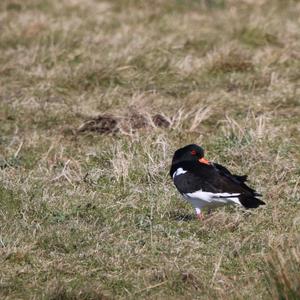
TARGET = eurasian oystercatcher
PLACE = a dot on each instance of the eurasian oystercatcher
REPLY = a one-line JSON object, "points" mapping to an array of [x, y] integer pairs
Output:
{"points": [[207, 184]]}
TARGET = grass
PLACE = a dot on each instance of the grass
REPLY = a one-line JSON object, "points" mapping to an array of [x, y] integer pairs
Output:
{"points": [[91, 216]]}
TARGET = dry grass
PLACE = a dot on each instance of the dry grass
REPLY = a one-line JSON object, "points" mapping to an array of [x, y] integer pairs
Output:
{"points": [[95, 216]]}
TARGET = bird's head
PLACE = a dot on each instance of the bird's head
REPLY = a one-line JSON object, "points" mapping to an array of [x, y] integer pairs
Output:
{"points": [[190, 152]]}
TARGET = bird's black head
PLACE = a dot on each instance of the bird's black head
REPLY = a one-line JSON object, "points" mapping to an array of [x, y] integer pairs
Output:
{"points": [[190, 152]]}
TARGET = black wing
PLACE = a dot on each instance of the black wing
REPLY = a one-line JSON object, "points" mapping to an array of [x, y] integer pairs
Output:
{"points": [[207, 178], [240, 178], [236, 178]]}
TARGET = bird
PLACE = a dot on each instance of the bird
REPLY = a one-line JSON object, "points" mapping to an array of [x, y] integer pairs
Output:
{"points": [[207, 184]]}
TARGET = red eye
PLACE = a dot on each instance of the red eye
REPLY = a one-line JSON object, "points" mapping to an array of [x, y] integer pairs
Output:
{"points": [[193, 152]]}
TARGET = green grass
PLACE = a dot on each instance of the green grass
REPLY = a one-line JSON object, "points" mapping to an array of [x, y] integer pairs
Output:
{"points": [[90, 216]]}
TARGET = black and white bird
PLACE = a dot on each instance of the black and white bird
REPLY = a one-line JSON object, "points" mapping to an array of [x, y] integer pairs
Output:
{"points": [[205, 184]]}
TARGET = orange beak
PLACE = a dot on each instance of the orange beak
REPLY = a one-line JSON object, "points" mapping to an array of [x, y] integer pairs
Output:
{"points": [[204, 161]]}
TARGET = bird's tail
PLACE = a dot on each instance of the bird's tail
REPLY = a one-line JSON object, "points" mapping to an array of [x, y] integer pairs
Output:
{"points": [[250, 201]]}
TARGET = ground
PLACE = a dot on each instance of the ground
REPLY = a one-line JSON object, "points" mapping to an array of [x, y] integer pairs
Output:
{"points": [[89, 214]]}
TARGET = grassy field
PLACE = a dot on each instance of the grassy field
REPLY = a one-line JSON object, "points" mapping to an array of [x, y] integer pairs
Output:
{"points": [[91, 215]]}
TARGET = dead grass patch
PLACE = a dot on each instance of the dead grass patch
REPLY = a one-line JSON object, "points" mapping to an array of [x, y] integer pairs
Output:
{"points": [[230, 61], [127, 124]]}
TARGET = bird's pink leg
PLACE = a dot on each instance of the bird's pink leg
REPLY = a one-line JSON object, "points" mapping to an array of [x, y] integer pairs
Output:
{"points": [[199, 214]]}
